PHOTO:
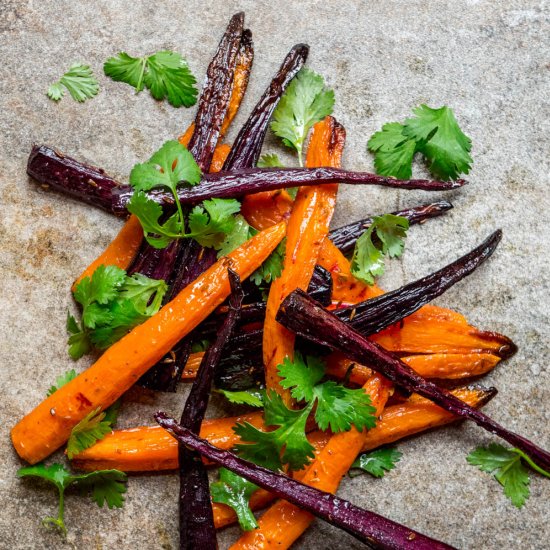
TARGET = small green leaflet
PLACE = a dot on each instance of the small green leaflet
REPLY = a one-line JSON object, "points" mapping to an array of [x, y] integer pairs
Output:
{"points": [[240, 233], [104, 486], [385, 237], [93, 427], [166, 75], [60, 381], [254, 398], [335, 406], [305, 102], [270, 160], [235, 491], [434, 133], [377, 462], [508, 469], [212, 220], [112, 305], [80, 82], [272, 267]]}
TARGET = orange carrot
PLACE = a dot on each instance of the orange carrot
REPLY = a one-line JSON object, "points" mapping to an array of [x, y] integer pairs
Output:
{"points": [[397, 422], [307, 228], [262, 210], [283, 523], [48, 426], [151, 448]]}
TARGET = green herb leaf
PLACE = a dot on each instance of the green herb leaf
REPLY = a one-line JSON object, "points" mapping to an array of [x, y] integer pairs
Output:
{"points": [[270, 160], [102, 287], [440, 140], [385, 237], [394, 151], [165, 74], [235, 491], [377, 462], [146, 294], [507, 468], [254, 398], [272, 267], [301, 376], [305, 102], [80, 82], [60, 381], [105, 486], [93, 427], [240, 233], [212, 220]]}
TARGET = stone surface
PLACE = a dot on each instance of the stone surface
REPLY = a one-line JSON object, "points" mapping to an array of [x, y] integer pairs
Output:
{"points": [[488, 60]]}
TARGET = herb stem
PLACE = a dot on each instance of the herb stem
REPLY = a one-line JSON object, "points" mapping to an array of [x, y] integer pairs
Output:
{"points": [[529, 461]]}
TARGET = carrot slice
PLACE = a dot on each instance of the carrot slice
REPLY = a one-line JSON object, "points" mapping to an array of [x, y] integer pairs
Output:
{"points": [[49, 425], [307, 228], [285, 522]]}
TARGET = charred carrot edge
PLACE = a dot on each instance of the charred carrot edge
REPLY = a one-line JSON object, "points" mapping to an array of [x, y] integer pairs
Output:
{"points": [[285, 522], [49, 425], [307, 228], [397, 422]]}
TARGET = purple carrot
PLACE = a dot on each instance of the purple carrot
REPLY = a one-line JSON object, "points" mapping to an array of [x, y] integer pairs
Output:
{"points": [[368, 527], [247, 147], [216, 94], [307, 318], [346, 236], [247, 181], [197, 528], [54, 169], [376, 314]]}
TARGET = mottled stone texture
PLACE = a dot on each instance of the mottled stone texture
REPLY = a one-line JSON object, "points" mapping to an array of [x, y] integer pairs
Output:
{"points": [[486, 59]]}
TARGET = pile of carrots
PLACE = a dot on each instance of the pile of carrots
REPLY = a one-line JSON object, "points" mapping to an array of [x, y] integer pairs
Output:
{"points": [[435, 342]]}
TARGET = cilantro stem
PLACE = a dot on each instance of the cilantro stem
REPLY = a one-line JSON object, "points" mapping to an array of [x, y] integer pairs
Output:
{"points": [[531, 463], [58, 522]]}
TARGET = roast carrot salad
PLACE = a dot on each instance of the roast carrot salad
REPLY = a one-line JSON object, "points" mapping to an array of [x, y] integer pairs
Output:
{"points": [[228, 278]]}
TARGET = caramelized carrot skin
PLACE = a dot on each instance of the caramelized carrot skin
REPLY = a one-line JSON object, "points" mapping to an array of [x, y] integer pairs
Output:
{"points": [[49, 425], [151, 448], [307, 228], [283, 523]]}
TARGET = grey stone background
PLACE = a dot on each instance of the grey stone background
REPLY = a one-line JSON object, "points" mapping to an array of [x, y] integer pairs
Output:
{"points": [[489, 60]]}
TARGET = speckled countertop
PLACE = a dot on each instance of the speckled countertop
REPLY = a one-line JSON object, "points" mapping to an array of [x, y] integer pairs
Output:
{"points": [[489, 60]]}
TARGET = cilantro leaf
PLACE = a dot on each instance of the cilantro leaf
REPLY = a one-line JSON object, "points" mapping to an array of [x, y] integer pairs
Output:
{"points": [[105, 486], [394, 151], [507, 468], [146, 294], [440, 140], [254, 398], [270, 160], [102, 287], [305, 102], [167, 167], [377, 462], [240, 233], [288, 443], [272, 267], [93, 427], [384, 237], [80, 82], [79, 341], [210, 221], [165, 73], [301, 376], [235, 491], [60, 381]]}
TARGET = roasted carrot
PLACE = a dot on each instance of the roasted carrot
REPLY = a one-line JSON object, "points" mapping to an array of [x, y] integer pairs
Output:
{"points": [[49, 425], [285, 522], [307, 228]]}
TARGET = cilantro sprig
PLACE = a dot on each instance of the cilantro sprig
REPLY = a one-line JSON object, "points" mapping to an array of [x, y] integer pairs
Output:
{"points": [[254, 398], [376, 463], [385, 237], [103, 486], [305, 102], [235, 491], [165, 73], [333, 406], [113, 303], [508, 468], [78, 80], [434, 133]]}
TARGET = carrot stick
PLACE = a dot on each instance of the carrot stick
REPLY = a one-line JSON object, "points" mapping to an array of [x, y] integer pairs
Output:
{"points": [[307, 228], [285, 522], [48, 426]]}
